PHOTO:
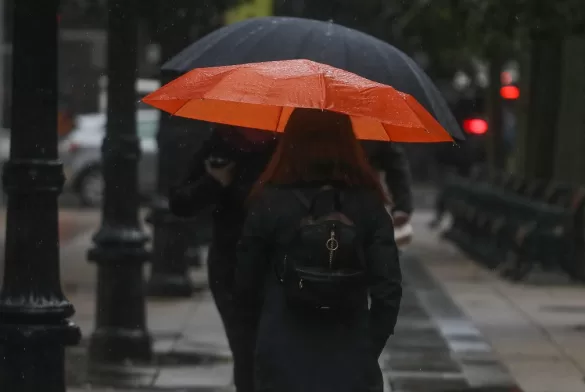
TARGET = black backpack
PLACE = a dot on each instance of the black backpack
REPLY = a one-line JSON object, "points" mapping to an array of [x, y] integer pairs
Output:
{"points": [[324, 266]]}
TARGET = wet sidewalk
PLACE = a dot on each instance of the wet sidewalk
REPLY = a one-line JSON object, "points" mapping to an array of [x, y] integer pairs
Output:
{"points": [[190, 349], [436, 348], [536, 328]]}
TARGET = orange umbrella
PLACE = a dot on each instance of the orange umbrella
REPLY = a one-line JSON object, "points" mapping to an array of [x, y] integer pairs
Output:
{"points": [[263, 95]]}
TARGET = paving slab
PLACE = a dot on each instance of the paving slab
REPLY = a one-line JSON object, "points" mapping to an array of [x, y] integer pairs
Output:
{"points": [[532, 326], [443, 350]]}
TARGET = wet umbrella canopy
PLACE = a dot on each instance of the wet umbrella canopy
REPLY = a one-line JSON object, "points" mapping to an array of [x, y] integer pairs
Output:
{"points": [[263, 96], [283, 38]]}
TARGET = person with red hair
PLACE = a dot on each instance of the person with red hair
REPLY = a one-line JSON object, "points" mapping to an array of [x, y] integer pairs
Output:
{"points": [[298, 350], [222, 173]]}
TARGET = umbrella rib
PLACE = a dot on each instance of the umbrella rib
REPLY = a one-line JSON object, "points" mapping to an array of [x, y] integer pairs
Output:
{"points": [[203, 98], [268, 34], [323, 89], [246, 36], [222, 79], [346, 51], [181, 107], [305, 40], [279, 118]]}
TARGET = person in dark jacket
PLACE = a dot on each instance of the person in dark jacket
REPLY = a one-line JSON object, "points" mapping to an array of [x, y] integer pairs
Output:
{"points": [[390, 159], [248, 151], [300, 351], [244, 154]]}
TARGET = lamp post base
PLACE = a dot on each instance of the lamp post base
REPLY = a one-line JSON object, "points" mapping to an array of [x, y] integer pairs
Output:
{"points": [[108, 345], [120, 332], [169, 275], [32, 356], [170, 286]]}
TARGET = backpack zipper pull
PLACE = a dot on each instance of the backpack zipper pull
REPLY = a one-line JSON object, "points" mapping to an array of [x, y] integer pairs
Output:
{"points": [[332, 244]]}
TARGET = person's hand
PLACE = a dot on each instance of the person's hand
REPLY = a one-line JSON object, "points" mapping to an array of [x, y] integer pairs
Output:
{"points": [[400, 218], [403, 231], [223, 175]]}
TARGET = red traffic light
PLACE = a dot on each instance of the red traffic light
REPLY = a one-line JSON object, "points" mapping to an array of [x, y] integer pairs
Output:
{"points": [[510, 92], [475, 126]]}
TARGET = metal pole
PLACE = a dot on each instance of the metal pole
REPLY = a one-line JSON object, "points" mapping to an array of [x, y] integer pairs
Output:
{"points": [[171, 235], [2, 92], [34, 325], [120, 333], [2, 60]]}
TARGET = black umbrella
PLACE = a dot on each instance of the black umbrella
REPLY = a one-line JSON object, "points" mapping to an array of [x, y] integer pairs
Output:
{"points": [[284, 38]]}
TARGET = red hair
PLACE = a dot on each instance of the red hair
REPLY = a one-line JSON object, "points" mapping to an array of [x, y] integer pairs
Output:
{"points": [[319, 146]]}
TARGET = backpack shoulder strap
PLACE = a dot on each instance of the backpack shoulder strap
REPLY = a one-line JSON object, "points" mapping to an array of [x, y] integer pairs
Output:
{"points": [[302, 198], [337, 196], [308, 203]]}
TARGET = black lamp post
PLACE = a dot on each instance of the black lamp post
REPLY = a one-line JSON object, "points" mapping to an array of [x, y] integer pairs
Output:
{"points": [[34, 325], [171, 235], [119, 250]]}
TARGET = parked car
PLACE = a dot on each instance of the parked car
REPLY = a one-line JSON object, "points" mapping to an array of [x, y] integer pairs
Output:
{"points": [[81, 155]]}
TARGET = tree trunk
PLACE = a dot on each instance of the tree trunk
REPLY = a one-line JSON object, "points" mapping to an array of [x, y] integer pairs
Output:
{"points": [[169, 272], [569, 165], [543, 106], [174, 35], [496, 142], [522, 114]]}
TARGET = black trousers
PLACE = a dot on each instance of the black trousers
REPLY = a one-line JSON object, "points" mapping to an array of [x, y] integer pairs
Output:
{"points": [[240, 324]]}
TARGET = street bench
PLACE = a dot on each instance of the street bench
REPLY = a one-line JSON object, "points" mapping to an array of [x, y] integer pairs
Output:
{"points": [[511, 223]]}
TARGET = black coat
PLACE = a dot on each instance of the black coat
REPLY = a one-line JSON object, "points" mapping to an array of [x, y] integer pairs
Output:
{"points": [[198, 190], [307, 353], [392, 160]]}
